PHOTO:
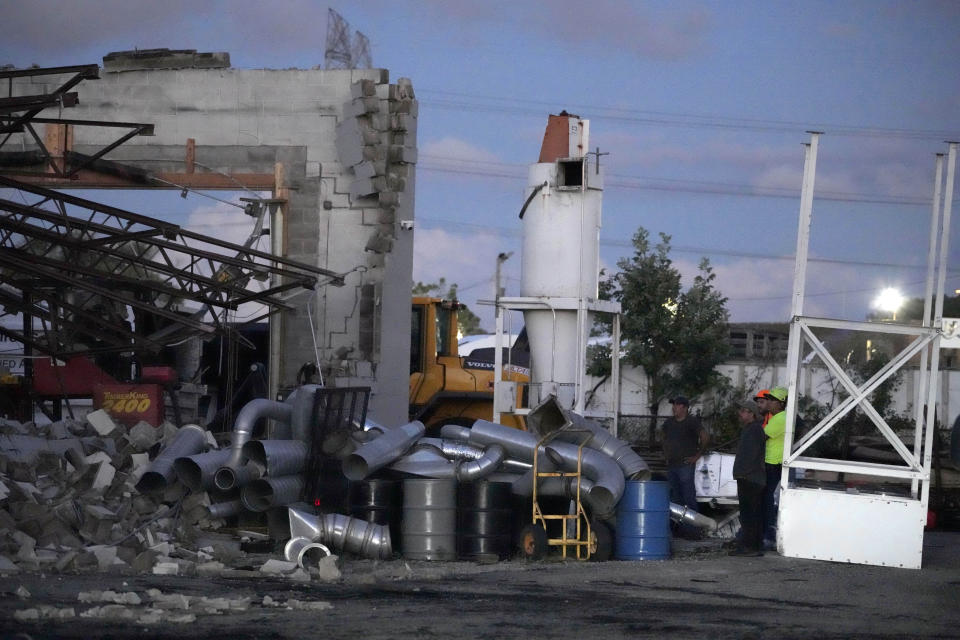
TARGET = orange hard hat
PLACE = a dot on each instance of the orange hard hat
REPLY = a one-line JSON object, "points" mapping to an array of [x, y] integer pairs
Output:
{"points": [[762, 394]]}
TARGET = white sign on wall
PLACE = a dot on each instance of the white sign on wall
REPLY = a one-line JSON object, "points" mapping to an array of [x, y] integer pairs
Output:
{"points": [[11, 351]]}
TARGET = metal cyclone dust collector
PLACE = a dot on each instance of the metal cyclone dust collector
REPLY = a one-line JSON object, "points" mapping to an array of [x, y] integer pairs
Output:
{"points": [[560, 264]]}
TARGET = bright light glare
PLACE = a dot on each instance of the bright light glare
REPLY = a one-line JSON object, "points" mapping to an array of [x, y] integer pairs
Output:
{"points": [[889, 300]]}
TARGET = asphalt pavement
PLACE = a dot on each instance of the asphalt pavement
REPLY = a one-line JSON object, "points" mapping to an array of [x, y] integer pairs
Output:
{"points": [[700, 592]]}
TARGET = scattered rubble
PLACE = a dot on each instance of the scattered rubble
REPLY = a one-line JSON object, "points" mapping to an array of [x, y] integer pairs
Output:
{"points": [[155, 606], [68, 501]]}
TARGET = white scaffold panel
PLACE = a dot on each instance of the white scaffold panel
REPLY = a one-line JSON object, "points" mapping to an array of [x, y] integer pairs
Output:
{"points": [[857, 528]]}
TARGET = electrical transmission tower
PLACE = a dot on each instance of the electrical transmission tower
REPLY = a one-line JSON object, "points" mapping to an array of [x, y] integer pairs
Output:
{"points": [[337, 54], [360, 52]]}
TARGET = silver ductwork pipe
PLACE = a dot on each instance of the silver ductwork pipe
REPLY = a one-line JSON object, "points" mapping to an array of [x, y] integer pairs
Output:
{"points": [[459, 449], [228, 478], [376, 427], [247, 418], [190, 439], [549, 417], [265, 493], [518, 444], [455, 432], [500, 476], [423, 461], [303, 400], [607, 477], [223, 510], [197, 471], [453, 449], [277, 457], [342, 533], [554, 486], [470, 470], [380, 452], [681, 513], [304, 552], [281, 429]]}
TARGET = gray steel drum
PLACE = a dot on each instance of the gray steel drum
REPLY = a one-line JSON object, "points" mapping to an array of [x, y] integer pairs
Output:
{"points": [[378, 500], [429, 527]]}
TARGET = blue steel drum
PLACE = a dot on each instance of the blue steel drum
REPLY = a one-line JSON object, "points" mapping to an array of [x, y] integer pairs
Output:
{"points": [[643, 521]]}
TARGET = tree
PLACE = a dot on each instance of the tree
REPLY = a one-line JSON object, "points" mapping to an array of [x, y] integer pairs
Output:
{"points": [[677, 337], [468, 323], [912, 309]]}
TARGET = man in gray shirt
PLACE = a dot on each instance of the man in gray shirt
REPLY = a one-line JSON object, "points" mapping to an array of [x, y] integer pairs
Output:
{"points": [[749, 470]]}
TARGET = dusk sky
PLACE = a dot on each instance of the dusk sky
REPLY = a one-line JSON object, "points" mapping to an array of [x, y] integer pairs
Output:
{"points": [[703, 108]]}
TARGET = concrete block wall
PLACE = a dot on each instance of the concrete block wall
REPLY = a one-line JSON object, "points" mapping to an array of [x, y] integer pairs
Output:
{"points": [[347, 141]]}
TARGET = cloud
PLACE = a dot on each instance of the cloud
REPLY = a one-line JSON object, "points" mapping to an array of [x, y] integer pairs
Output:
{"points": [[667, 34], [466, 259], [222, 221], [450, 148]]}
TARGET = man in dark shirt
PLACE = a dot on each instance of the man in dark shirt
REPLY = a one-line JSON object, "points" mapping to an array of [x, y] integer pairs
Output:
{"points": [[749, 470], [684, 441]]}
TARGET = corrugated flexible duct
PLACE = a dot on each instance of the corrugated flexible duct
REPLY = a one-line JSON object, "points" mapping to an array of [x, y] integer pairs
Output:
{"points": [[428, 460]]}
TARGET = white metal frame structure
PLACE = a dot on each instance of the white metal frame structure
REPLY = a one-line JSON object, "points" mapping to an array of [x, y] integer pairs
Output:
{"points": [[846, 525], [505, 392]]}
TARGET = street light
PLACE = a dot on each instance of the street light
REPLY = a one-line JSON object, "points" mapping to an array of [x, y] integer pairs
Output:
{"points": [[501, 258], [889, 300]]}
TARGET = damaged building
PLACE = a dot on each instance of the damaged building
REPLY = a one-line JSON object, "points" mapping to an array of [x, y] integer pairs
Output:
{"points": [[334, 150]]}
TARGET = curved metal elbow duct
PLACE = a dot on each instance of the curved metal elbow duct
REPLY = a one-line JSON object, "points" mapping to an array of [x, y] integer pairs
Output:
{"points": [[681, 513], [190, 439], [342, 533], [549, 417], [265, 493], [248, 416], [380, 452], [483, 466], [304, 551], [607, 477], [302, 400]]}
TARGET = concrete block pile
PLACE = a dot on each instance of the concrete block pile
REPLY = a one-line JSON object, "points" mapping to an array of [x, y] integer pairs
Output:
{"points": [[68, 500]]}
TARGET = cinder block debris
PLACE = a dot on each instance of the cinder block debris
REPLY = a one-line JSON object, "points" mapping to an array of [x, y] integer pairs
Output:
{"points": [[306, 605], [278, 567], [102, 422], [326, 569]]}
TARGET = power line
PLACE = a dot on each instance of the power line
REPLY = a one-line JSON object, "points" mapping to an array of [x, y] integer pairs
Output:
{"points": [[673, 185], [665, 118], [515, 233]]}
